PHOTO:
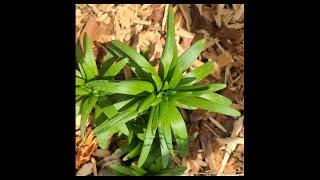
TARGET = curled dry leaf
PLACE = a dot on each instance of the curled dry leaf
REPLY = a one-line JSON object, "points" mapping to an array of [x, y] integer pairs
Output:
{"points": [[85, 152]]}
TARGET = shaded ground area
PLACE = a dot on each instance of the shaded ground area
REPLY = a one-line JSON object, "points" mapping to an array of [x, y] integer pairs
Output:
{"points": [[217, 147]]}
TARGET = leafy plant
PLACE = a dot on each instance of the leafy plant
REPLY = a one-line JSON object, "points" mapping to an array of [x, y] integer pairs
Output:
{"points": [[88, 94], [161, 94]]}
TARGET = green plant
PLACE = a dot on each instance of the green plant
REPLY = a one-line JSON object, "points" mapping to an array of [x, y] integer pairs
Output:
{"points": [[87, 95], [162, 93]]}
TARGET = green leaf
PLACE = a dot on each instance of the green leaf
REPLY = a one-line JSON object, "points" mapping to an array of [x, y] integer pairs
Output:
{"points": [[131, 87], [147, 102], [217, 98], [153, 155], [190, 55], [80, 91], [115, 68], [185, 60], [217, 86], [121, 100], [78, 74], [140, 136], [122, 149], [103, 138], [192, 88], [150, 134], [172, 171], [134, 152], [165, 122], [208, 105], [87, 59], [163, 147], [176, 77], [87, 107], [197, 74], [123, 117], [173, 63], [79, 81], [166, 57], [138, 59], [122, 169], [138, 171], [179, 129], [106, 107], [123, 129]]}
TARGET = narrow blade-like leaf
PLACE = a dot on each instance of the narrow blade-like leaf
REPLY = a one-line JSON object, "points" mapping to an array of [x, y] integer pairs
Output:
{"points": [[131, 87], [150, 134], [115, 68], [217, 98], [138, 59], [179, 129], [167, 54], [123, 117], [197, 74], [208, 105], [87, 107], [191, 54]]}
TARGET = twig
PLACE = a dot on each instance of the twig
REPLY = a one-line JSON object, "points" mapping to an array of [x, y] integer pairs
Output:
{"points": [[211, 130], [216, 123], [237, 126]]}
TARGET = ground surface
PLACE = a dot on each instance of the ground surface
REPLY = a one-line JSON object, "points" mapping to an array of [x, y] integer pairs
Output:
{"points": [[218, 147]]}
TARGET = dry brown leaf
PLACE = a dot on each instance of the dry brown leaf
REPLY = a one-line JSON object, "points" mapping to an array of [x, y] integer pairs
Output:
{"points": [[94, 167], [207, 13], [239, 12], [185, 10], [237, 106], [224, 59], [235, 26], [227, 140], [94, 8], [186, 42], [216, 70], [105, 7], [228, 17], [157, 13], [196, 63], [85, 170], [210, 53], [101, 153], [218, 14], [237, 126], [85, 152], [126, 19], [199, 114], [184, 33], [199, 6], [94, 30], [206, 143]]}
